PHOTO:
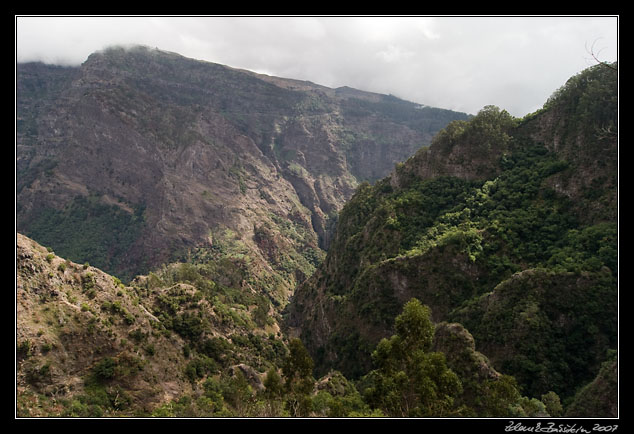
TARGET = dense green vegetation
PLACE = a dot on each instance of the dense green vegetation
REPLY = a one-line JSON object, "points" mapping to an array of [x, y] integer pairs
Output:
{"points": [[410, 380], [522, 251], [90, 230], [549, 329], [500, 226]]}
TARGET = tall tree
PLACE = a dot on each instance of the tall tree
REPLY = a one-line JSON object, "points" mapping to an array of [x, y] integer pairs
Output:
{"points": [[299, 381], [409, 379]]}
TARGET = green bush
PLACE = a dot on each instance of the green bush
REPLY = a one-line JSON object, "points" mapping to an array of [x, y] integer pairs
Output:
{"points": [[105, 369]]}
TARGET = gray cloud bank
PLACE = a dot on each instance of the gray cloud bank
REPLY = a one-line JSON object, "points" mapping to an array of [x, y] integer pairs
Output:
{"points": [[459, 63]]}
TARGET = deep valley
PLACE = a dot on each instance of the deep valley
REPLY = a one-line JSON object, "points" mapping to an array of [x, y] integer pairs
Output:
{"points": [[195, 240]]}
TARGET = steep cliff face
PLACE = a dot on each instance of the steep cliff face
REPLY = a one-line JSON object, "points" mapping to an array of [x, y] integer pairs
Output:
{"points": [[580, 123], [507, 228], [139, 156], [496, 208]]}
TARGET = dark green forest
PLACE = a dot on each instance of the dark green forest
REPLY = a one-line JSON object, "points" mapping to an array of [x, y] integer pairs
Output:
{"points": [[530, 270]]}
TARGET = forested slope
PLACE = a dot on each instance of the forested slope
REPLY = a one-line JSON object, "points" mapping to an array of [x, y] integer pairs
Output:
{"points": [[507, 226]]}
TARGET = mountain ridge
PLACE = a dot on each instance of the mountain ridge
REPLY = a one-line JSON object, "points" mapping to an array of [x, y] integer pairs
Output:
{"points": [[500, 240], [218, 147], [176, 344], [496, 207]]}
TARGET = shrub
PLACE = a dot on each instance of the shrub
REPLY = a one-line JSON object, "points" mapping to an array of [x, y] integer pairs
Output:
{"points": [[105, 369]]}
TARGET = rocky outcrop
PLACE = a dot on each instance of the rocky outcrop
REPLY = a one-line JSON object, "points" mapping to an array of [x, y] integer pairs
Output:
{"points": [[458, 345], [599, 397], [180, 149]]}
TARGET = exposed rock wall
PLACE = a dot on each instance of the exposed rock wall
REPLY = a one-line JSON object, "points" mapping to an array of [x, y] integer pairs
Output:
{"points": [[195, 147]]}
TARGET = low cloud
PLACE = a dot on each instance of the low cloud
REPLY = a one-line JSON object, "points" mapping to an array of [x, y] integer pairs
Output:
{"points": [[460, 63]]}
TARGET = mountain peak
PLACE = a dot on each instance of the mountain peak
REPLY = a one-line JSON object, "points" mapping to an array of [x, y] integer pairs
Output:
{"points": [[172, 151]]}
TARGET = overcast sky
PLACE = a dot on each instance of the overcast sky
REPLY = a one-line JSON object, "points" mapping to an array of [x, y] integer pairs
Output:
{"points": [[458, 63]]}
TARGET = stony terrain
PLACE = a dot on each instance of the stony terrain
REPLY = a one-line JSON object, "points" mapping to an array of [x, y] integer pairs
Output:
{"points": [[70, 318], [140, 156], [169, 345]]}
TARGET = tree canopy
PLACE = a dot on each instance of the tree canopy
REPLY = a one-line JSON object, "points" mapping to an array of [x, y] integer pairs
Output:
{"points": [[409, 379]]}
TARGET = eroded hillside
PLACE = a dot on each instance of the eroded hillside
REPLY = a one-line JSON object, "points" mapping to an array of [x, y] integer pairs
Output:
{"points": [[140, 157], [179, 344], [89, 346]]}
